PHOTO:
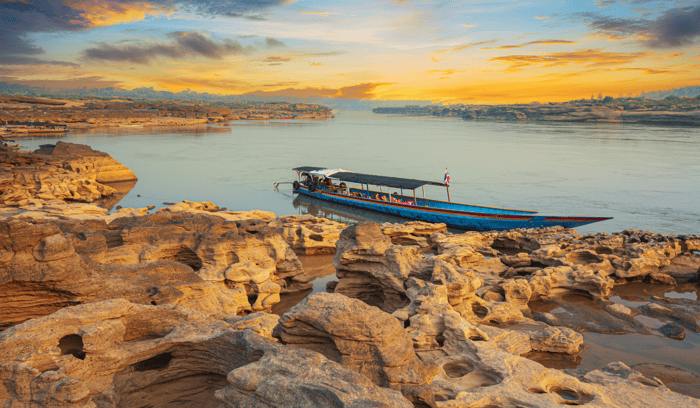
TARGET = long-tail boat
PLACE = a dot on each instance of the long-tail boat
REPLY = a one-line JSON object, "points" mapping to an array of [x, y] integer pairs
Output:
{"points": [[331, 185]]}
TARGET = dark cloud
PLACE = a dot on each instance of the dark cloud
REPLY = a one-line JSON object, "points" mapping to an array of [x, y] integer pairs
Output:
{"points": [[19, 18], [273, 42], [274, 60], [186, 44], [614, 27], [231, 8], [676, 27], [22, 60], [88, 82]]}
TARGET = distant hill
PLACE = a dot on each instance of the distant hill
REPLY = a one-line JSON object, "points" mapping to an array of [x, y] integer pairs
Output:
{"points": [[150, 93], [690, 91]]}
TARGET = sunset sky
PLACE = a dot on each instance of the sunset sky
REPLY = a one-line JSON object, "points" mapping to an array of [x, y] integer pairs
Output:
{"points": [[449, 51]]}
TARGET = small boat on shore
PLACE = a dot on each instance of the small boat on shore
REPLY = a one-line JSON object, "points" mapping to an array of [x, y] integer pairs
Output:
{"points": [[330, 185]]}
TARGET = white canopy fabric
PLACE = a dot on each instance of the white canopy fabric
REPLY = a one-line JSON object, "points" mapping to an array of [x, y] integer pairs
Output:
{"points": [[326, 172]]}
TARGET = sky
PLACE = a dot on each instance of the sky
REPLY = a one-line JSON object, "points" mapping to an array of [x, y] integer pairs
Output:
{"points": [[445, 51]]}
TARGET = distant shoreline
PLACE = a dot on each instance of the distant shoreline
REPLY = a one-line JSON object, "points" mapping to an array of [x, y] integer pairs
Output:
{"points": [[91, 113], [667, 112]]}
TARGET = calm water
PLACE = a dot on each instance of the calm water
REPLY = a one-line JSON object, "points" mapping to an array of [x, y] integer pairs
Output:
{"points": [[646, 177]]}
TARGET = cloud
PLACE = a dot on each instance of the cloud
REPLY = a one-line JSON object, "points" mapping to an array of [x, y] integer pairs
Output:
{"points": [[20, 18], [540, 42], [89, 82], [274, 60], [605, 3], [590, 58], [315, 64], [544, 17], [231, 8], [359, 91], [318, 13], [186, 44], [104, 13], [273, 42], [443, 71], [468, 25], [464, 47], [550, 42], [676, 27], [503, 47], [650, 71], [22, 60]]}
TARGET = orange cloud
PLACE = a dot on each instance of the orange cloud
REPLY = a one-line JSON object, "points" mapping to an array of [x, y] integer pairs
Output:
{"points": [[649, 71], [461, 47], [98, 14], [621, 37], [359, 91], [589, 57], [550, 42], [442, 71], [674, 55], [503, 47], [540, 42], [274, 59]]}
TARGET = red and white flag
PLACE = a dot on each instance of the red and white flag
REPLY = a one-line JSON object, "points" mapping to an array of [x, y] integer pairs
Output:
{"points": [[446, 181]]}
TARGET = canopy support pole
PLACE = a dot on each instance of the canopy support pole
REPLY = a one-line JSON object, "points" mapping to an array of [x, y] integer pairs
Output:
{"points": [[448, 194], [423, 187], [415, 200]]}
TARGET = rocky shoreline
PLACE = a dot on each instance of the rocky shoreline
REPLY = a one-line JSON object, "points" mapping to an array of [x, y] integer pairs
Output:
{"points": [[91, 113], [171, 307], [628, 111]]}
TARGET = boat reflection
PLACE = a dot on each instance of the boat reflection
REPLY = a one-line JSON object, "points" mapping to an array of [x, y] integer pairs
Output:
{"points": [[346, 214], [339, 212]]}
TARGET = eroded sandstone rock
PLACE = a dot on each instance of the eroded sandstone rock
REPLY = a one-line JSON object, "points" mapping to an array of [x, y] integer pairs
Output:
{"points": [[362, 338], [118, 354], [41, 272]]}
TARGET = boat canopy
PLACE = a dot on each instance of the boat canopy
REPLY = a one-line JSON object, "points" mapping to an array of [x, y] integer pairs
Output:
{"points": [[344, 175]]}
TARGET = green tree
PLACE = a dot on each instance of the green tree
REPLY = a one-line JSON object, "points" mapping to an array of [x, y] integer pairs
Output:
{"points": [[608, 99]]}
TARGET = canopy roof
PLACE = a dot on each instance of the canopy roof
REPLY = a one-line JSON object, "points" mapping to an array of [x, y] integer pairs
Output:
{"points": [[344, 175]]}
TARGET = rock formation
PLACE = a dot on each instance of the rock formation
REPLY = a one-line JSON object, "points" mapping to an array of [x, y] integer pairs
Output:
{"points": [[65, 171], [89, 113], [41, 272], [362, 338], [118, 354]]}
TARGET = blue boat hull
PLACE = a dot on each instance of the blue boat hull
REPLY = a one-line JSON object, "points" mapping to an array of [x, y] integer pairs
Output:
{"points": [[456, 215]]}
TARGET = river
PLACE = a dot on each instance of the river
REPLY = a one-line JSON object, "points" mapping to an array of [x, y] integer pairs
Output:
{"points": [[646, 177]]}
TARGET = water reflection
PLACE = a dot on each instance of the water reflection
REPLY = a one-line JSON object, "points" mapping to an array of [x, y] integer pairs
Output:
{"points": [[345, 213], [339, 212]]}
